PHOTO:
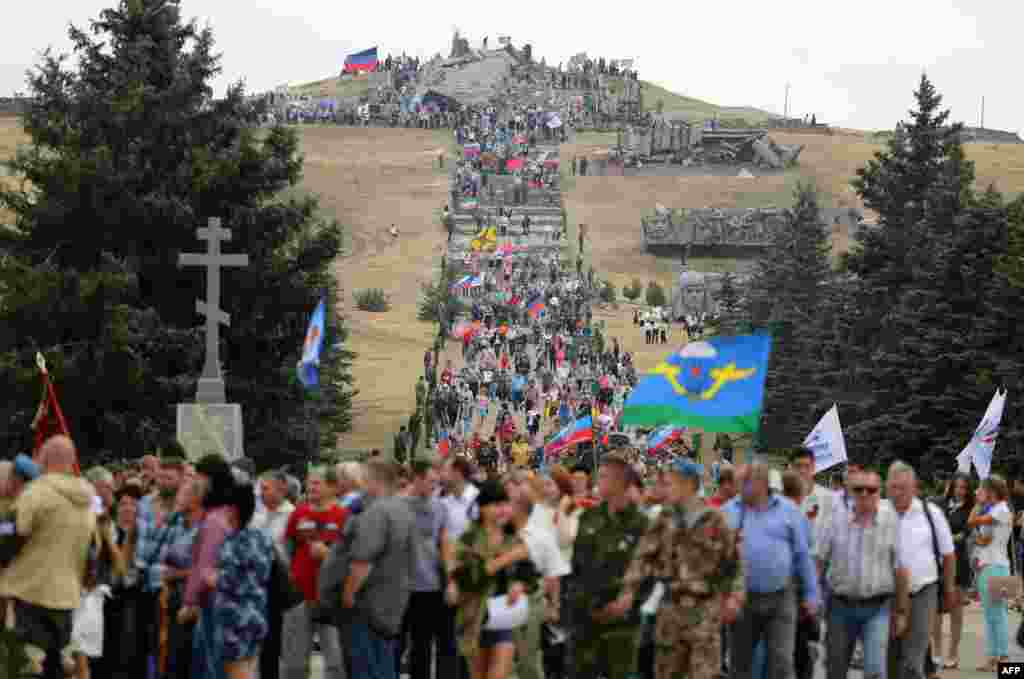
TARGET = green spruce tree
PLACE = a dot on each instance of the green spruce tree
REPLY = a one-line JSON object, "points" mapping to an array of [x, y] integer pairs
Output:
{"points": [[130, 152], [783, 298]]}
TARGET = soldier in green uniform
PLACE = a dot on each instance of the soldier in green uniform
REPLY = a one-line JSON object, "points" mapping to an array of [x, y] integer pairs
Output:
{"points": [[691, 552], [605, 630]]}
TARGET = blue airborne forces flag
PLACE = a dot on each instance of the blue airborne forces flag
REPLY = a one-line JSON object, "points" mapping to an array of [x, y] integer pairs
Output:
{"points": [[716, 385]]}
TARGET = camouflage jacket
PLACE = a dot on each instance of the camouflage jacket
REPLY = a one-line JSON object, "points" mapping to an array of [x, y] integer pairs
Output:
{"points": [[692, 552], [604, 548]]}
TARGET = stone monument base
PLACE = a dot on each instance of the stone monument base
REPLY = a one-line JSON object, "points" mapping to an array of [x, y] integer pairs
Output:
{"points": [[205, 428]]}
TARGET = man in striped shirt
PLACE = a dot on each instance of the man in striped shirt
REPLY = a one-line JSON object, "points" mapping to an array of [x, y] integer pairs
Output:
{"points": [[869, 582]]}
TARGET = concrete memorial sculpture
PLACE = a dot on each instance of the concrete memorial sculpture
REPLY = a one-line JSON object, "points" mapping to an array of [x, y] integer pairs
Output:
{"points": [[210, 425]]}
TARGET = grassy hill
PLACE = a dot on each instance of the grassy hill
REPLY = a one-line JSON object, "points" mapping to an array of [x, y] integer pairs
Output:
{"points": [[698, 109], [333, 87]]}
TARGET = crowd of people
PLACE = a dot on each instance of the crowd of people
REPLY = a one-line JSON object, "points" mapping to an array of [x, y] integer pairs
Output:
{"points": [[168, 569]]}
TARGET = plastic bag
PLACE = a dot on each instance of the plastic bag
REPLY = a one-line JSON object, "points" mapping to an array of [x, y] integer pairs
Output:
{"points": [[87, 623]]}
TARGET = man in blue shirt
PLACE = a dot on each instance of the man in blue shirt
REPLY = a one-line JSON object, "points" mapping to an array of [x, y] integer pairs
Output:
{"points": [[780, 574]]}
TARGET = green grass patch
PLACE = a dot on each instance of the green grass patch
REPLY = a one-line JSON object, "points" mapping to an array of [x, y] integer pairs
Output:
{"points": [[698, 109], [334, 87]]}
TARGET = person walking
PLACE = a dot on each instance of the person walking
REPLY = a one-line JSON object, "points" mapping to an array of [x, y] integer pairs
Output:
{"points": [[376, 590], [426, 602], [241, 584], [928, 553], [993, 563], [957, 505], [860, 550], [775, 549], [690, 551], [605, 629], [43, 583]]}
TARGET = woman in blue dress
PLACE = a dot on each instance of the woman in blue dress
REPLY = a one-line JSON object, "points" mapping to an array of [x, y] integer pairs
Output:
{"points": [[242, 581]]}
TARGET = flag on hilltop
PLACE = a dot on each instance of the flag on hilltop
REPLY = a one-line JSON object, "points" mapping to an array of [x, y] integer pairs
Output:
{"points": [[980, 449], [716, 385], [361, 61], [826, 441], [309, 366]]}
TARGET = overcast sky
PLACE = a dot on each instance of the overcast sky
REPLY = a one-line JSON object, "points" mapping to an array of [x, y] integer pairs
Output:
{"points": [[852, 64]]}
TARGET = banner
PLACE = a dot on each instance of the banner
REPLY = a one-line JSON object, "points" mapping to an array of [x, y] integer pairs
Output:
{"points": [[980, 450], [309, 365], [826, 441], [716, 385]]}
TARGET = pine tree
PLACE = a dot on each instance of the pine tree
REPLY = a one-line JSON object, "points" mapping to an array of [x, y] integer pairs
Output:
{"points": [[953, 322], [130, 153], [730, 319], [901, 184], [784, 296]]}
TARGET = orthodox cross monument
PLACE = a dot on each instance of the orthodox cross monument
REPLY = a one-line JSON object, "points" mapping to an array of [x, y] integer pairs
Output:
{"points": [[210, 425]]}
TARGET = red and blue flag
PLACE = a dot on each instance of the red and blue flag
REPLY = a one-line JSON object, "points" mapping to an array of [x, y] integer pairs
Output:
{"points": [[536, 309], [361, 61], [662, 437]]}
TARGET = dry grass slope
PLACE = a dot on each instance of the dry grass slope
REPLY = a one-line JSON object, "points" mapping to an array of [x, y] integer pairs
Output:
{"points": [[371, 178]]}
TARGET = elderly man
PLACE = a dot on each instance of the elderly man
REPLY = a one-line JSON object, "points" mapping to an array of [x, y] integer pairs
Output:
{"points": [[868, 581], [272, 521], [926, 545], [690, 551], [776, 550], [350, 479], [54, 517]]}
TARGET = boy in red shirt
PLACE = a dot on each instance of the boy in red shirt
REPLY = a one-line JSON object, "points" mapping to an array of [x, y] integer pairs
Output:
{"points": [[312, 528]]}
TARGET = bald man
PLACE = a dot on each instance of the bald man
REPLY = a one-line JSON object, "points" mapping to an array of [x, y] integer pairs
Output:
{"points": [[54, 517]]}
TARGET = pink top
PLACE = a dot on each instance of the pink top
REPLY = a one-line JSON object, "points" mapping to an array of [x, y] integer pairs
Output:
{"points": [[205, 553]]}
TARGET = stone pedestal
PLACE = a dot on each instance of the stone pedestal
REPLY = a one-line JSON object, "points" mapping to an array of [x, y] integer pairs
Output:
{"points": [[211, 428]]}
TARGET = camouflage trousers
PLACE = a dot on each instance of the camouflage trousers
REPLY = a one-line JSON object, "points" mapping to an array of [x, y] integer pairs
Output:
{"points": [[604, 651], [687, 640]]}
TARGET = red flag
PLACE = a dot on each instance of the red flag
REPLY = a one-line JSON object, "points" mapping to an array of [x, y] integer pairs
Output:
{"points": [[52, 422]]}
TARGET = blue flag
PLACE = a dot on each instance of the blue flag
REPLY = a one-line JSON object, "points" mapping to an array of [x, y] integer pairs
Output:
{"points": [[309, 366], [716, 385]]}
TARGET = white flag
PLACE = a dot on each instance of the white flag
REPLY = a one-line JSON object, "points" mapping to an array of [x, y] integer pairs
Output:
{"points": [[826, 441], [980, 448]]}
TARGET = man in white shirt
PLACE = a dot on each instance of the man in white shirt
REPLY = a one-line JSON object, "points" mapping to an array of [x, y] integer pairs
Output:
{"points": [[272, 521], [272, 518], [921, 536], [459, 496]]}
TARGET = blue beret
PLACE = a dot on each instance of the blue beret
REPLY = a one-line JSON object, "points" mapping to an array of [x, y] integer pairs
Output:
{"points": [[25, 467], [687, 468]]}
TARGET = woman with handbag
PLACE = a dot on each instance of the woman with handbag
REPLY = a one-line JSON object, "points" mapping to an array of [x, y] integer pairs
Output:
{"points": [[993, 567], [958, 504], [488, 646]]}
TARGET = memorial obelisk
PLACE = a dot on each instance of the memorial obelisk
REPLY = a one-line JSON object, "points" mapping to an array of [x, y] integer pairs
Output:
{"points": [[211, 425]]}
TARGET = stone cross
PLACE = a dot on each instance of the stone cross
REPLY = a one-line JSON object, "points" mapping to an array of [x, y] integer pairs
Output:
{"points": [[211, 383]]}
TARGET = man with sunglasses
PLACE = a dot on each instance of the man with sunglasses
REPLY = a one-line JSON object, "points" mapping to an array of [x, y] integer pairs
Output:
{"points": [[869, 581]]}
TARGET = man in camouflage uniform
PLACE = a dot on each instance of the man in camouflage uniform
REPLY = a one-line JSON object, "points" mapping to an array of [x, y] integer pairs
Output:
{"points": [[605, 632], [691, 552]]}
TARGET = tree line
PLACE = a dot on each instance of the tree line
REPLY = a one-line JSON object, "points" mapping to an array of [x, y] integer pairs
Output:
{"points": [[918, 325]]}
